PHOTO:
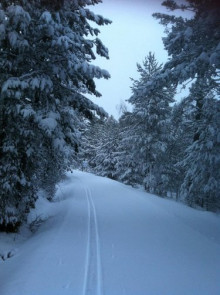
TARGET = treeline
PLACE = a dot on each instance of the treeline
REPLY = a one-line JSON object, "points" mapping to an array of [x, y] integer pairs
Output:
{"points": [[172, 149]]}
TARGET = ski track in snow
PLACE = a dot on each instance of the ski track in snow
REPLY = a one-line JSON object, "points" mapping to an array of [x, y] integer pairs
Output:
{"points": [[102, 237], [93, 268]]}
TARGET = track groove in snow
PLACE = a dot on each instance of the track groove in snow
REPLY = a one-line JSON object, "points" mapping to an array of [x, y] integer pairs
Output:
{"points": [[104, 238], [93, 269]]}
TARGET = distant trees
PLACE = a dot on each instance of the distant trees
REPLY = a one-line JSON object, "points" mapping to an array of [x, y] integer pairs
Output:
{"points": [[100, 147], [45, 52], [128, 164]]}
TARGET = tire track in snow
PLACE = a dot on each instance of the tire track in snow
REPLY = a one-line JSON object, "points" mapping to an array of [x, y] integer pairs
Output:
{"points": [[93, 268]]}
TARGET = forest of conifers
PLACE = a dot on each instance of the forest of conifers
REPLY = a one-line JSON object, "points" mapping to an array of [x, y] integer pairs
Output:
{"points": [[48, 125]]}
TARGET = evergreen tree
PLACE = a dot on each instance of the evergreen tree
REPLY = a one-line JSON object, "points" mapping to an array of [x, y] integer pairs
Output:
{"points": [[45, 68], [90, 138], [100, 147], [193, 48], [201, 161], [128, 166], [149, 119], [192, 43], [106, 152], [180, 137]]}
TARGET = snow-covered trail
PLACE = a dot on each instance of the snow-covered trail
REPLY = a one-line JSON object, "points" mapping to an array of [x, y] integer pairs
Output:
{"points": [[107, 238]]}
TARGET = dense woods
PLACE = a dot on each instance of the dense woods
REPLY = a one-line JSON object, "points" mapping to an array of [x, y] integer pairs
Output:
{"points": [[47, 125], [172, 148], [46, 69]]}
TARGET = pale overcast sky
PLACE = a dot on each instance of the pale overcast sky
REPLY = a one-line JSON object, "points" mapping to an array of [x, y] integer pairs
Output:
{"points": [[133, 33]]}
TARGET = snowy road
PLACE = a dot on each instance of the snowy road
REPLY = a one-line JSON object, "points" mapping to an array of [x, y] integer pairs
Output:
{"points": [[104, 238]]}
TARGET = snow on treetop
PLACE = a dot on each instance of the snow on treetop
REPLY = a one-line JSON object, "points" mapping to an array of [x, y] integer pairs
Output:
{"points": [[46, 17], [18, 13]]}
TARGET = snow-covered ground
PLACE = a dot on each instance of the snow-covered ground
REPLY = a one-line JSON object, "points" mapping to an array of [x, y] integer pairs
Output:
{"points": [[103, 237]]}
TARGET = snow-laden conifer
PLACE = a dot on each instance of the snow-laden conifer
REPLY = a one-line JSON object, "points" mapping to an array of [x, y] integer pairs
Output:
{"points": [[201, 158], [192, 42], [100, 147], [45, 52], [147, 135]]}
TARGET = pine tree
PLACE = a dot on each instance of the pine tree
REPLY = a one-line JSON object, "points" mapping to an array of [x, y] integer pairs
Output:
{"points": [[106, 152], [201, 161], [180, 137], [100, 147], [192, 43], [150, 121], [91, 135], [45, 70], [193, 47], [128, 166]]}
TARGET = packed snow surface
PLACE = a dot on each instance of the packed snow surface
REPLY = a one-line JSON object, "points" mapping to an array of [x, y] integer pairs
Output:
{"points": [[102, 237]]}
